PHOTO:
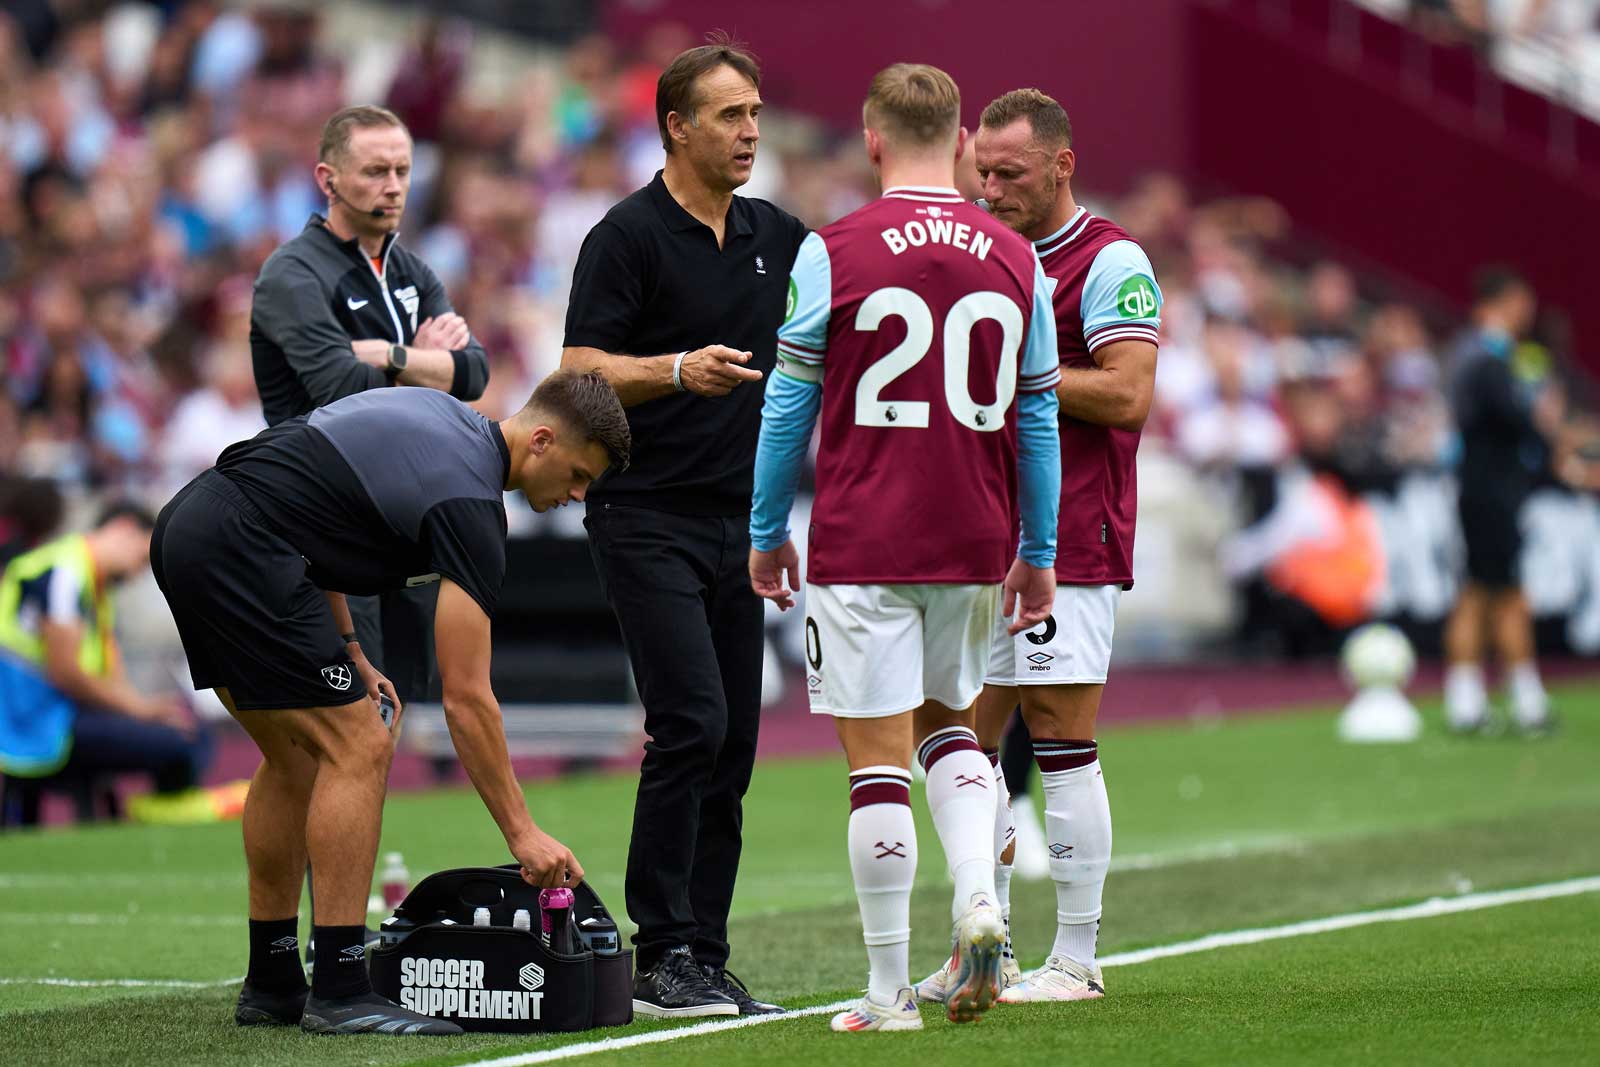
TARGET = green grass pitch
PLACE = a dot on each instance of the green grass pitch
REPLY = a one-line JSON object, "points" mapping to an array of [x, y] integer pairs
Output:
{"points": [[1220, 825]]}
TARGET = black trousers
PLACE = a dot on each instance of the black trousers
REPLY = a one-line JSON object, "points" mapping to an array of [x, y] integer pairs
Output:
{"points": [[680, 587], [396, 634], [104, 742]]}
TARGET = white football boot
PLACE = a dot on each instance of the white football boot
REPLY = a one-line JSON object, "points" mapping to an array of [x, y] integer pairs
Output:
{"points": [[868, 1014], [980, 938], [1060, 978], [934, 988]]}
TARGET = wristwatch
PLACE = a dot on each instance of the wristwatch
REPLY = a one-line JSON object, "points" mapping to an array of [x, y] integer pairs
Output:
{"points": [[397, 361]]}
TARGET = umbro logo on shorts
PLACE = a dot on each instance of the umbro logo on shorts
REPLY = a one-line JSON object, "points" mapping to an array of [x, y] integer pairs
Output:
{"points": [[337, 676]]}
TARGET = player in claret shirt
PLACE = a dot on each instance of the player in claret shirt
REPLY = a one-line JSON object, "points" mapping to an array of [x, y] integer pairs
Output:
{"points": [[1107, 309], [922, 330]]}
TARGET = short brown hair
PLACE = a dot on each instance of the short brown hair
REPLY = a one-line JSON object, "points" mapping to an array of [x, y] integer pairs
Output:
{"points": [[587, 404], [913, 104], [1046, 118], [675, 87], [335, 141]]}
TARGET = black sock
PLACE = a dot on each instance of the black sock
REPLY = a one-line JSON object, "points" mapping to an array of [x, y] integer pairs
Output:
{"points": [[340, 969], [275, 955]]}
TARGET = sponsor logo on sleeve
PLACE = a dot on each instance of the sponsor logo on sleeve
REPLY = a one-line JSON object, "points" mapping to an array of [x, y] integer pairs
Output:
{"points": [[1136, 299], [793, 299]]}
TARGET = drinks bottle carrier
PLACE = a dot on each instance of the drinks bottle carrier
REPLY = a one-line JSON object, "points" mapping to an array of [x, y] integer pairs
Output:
{"points": [[496, 977]]}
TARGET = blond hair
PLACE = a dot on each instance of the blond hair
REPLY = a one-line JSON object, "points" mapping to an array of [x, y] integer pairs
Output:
{"points": [[914, 105]]}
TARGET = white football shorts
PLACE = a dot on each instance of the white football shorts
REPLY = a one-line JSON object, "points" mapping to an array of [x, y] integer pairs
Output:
{"points": [[879, 650], [1071, 647]]}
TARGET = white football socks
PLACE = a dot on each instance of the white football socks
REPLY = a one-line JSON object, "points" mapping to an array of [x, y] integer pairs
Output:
{"points": [[1004, 830], [1077, 826], [883, 862], [1466, 700], [961, 797], [1529, 702]]}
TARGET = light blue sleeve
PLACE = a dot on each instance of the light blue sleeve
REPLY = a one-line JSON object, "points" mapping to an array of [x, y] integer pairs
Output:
{"points": [[788, 416], [794, 395], [1038, 476], [803, 337], [1041, 359], [1121, 300]]}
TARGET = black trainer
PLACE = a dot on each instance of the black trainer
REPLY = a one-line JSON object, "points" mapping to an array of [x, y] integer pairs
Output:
{"points": [[677, 989], [368, 1014], [731, 986], [259, 1007]]}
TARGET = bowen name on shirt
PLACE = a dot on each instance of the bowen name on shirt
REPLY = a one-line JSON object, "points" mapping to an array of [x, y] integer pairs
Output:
{"points": [[945, 231]]}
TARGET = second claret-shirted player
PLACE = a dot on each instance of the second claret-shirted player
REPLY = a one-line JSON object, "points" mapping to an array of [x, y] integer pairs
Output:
{"points": [[922, 330], [1107, 311]]}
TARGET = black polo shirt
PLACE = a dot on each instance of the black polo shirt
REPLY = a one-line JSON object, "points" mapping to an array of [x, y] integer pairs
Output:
{"points": [[650, 280]]}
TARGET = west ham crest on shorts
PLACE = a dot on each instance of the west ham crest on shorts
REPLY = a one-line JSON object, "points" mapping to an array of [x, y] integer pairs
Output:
{"points": [[337, 676]]}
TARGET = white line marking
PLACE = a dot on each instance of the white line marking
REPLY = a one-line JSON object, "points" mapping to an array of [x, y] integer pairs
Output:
{"points": [[1426, 909], [43, 880], [122, 983], [90, 918]]}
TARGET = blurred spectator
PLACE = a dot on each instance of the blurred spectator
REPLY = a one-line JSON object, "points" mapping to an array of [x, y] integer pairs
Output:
{"points": [[66, 705]]}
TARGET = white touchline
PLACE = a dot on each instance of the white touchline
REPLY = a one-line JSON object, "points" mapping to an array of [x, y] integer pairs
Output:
{"points": [[122, 983], [1426, 909]]}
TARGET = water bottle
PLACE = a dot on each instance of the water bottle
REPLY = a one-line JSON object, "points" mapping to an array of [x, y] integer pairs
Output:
{"points": [[599, 935], [396, 880], [480, 916], [555, 920], [521, 920]]}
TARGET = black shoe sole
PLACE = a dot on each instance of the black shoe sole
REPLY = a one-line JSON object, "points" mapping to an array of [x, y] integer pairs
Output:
{"points": [[248, 1016]]}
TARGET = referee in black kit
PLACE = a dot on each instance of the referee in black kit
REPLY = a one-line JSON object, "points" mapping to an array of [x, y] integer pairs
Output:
{"points": [[676, 299], [343, 308]]}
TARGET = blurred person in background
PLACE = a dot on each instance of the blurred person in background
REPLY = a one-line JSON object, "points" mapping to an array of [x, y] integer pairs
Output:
{"points": [[344, 308], [66, 705], [1503, 454]]}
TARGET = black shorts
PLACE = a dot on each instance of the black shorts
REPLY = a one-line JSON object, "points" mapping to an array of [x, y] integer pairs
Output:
{"points": [[250, 619], [1493, 539]]}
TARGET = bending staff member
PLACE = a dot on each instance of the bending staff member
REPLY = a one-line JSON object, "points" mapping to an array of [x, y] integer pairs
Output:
{"points": [[255, 557]]}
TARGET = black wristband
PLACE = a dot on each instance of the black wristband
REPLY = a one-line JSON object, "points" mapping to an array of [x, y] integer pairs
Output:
{"points": [[461, 374], [349, 638]]}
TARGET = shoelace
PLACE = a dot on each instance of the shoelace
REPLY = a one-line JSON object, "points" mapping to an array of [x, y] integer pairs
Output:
{"points": [[685, 974]]}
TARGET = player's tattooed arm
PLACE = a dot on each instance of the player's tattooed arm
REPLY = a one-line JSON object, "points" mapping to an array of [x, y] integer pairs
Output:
{"points": [[1117, 391]]}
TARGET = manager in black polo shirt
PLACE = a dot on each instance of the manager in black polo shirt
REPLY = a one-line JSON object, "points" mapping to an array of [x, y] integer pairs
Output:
{"points": [[676, 299], [343, 308]]}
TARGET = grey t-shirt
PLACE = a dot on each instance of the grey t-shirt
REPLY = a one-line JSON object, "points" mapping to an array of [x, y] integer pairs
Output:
{"points": [[384, 489]]}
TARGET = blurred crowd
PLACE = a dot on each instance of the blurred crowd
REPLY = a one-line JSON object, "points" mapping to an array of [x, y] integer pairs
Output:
{"points": [[154, 155], [1547, 46]]}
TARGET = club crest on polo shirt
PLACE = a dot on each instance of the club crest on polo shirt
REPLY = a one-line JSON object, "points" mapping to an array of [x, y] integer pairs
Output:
{"points": [[410, 301], [338, 676]]}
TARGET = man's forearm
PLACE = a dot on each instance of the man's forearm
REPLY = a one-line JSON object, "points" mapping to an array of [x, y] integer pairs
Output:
{"points": [[1100, 396], [480, 742], [108, 693], [429, 368], [635, 378]]}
